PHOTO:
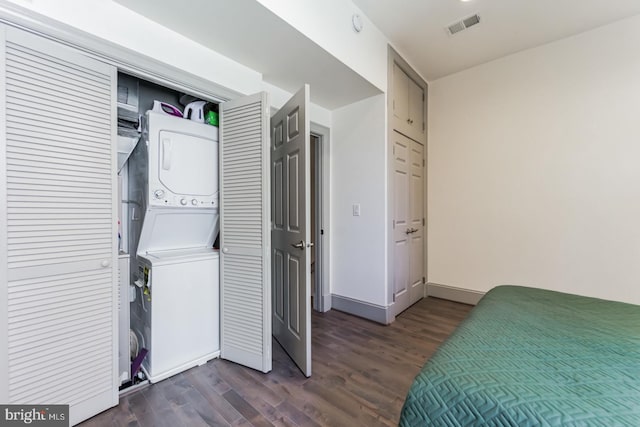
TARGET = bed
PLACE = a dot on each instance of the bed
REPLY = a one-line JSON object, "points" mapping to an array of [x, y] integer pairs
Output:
{"points": [[532, 357]]}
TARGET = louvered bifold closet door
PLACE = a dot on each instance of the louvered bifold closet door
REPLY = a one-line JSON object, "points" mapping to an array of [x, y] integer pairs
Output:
{"points": [[60, 223], [245, 233]]}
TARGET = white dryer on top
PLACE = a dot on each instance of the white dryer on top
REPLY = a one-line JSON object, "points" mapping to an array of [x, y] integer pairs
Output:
{"points": [[183, 162]]}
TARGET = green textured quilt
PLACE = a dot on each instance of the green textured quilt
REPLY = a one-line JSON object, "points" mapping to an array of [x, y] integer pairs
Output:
{"points": [[530, 357]]}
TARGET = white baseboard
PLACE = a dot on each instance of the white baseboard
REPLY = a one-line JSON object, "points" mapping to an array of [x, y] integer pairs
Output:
{"points": [[376, 313], [465, 296]]}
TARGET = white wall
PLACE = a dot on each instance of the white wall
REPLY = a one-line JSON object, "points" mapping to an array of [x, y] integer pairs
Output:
{"points": [[328, 23], [358, 175], [534, 169]]}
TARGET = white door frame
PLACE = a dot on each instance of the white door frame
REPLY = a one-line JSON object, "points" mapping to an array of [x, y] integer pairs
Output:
{"points": [[322, 293]]}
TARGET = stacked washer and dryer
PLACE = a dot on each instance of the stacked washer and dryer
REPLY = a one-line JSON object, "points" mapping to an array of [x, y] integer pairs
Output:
{"points": [[173, 175]]}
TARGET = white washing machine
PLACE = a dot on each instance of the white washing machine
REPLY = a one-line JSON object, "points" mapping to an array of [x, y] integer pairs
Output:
{"points": [[178, 294]]}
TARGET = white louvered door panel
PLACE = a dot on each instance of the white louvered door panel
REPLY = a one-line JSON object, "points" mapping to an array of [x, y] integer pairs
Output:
{"points": [[245, 235], [60, 225]]}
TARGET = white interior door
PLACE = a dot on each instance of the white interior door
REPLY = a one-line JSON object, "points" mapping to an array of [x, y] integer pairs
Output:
{"points": [[416, 110], [401, 228], [291, 229], [400, 99], [408, 232], [245, 232], [416, 223]]}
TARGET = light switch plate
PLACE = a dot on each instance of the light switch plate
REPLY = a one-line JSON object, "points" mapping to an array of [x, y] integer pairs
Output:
{"points": [[356, 209]]}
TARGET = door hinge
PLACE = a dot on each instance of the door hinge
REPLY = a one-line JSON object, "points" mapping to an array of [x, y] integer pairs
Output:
{"points": [[423, 162], [423, 126], [423, 221], [394, 223], [424, 280], [321, 232], [393, 298], [422, 96]]}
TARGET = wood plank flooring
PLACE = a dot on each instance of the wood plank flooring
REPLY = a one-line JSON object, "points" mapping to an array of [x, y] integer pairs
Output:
{"points": [[361, 374]]}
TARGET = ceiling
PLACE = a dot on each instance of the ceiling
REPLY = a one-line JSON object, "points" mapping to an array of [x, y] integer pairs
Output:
{"points": [[417, 27], [250, 34]]}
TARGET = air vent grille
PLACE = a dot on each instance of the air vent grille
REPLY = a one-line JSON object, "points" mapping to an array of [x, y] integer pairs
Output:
{"points": [[457, 27], [463, 24]]}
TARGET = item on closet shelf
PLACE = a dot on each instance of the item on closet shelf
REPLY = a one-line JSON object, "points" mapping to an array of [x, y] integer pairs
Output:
{"points": [[194, 111], [163, 107], [211, 118], [127, 97], [127, 126]]}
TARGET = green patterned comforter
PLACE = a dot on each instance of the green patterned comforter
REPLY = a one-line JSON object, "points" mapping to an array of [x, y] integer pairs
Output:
{"points": [[531, 357]]}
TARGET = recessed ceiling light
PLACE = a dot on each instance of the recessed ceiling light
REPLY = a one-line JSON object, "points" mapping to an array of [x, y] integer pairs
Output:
{"points": [[464, 1]]}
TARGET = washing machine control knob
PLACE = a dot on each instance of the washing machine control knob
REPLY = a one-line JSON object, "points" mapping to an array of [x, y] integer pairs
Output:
{"points": [[194, 202], [158, 194], [183, 201]]}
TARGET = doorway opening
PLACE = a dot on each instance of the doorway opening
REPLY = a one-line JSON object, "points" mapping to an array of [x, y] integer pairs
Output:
{"points": [[319, 218]]}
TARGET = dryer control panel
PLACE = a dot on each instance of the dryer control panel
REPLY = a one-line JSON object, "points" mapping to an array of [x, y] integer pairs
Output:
{"points": [[162, 197]]}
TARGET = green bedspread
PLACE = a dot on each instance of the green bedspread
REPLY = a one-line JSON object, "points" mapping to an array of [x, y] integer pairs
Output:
{"points": [[530, 357]]}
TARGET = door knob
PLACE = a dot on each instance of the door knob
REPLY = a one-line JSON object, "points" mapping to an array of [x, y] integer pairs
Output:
{"points": [[300, 245], [105, 263]]}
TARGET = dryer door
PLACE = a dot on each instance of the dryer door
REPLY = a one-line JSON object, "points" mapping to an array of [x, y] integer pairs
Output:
{"points": [[188, 165]]}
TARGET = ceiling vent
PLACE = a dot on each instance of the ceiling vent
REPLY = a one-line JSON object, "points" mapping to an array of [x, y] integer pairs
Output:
{"points": [[463, 24]]}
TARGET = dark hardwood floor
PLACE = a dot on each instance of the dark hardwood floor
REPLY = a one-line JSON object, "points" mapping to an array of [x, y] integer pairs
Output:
{"points": [[361, 374]]}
